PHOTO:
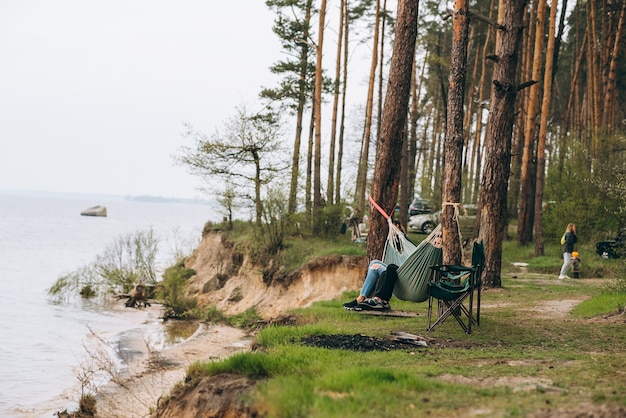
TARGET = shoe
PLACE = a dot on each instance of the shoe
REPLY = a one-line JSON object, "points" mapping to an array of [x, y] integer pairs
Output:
{"points": [[371, 304], [564, 277], [386, 305], [353, 305]]}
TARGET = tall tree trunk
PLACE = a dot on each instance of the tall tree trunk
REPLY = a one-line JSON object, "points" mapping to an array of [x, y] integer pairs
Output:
{"points": [[346, 24], [594, 75], [526, 206], [471, 103], [498, 143], [543, 131], [309, 169], [302, 97], [381, 64], [361, 180], [612, 76], [330, 187], [453, 144], [517, 144], [386, 170], [317, 105]]}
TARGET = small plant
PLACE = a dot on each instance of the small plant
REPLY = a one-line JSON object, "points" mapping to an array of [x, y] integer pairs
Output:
{"points": [[245, 319], [117, 270], [173, 291]]}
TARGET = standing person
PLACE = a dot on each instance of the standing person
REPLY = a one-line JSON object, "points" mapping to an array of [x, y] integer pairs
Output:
{"points": [[568, 241], [377, 288]]}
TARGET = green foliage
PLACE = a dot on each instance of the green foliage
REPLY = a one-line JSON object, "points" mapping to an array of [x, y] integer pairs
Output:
{"points": [[213, 315], [87, 291], [588, 192], [276, 218], [127, 260], [245, 319], [329, 221], [173, 292]]}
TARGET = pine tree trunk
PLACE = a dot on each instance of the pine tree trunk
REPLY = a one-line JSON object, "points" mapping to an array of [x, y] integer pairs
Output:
{"points": [[543, 131], [612, 76], [498, 143], [527, 194], [346, 26], [330, 186], [317, 105], [392, 135], [361, 180], [453, 144], [302, 98]]}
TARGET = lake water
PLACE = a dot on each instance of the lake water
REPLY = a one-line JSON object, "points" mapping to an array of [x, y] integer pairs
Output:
{"points": [[43, 236]]}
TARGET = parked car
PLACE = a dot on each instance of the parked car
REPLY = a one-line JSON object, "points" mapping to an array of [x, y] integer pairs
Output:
{"points": [[613, 248], [425, 222], [419, 206]]}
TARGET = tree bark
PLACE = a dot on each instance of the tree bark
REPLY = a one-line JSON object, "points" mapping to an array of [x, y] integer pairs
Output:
{"points": [[330, 186], [612, 76], [361, 180], [317, 105], [387, 168], [453, 144], [526, 204], [543, 131], [498, 143], [302, 98], [346, 24]]}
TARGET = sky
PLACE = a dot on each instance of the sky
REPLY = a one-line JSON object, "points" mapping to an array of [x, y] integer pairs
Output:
{"points": [[94, 94]]}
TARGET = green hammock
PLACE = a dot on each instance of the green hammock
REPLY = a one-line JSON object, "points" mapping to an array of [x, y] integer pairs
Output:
{"points": [[413, 262]]}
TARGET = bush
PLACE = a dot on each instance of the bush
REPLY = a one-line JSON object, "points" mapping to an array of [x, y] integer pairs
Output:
{"points": [[173, 291], [127, 260]]}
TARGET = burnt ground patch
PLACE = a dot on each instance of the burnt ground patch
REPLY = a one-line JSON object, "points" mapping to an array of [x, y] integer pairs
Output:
{"points": [[356, 342], [360, 342]]}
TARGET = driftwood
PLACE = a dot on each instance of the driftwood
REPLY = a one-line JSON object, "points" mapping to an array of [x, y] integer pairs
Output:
{"points": [[137, 298]]}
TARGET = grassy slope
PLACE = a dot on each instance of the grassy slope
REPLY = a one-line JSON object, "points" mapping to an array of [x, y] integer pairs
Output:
{"points": [[528, 356]]}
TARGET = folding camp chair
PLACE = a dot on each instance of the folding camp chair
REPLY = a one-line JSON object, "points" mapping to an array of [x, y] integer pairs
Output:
{"points": [[452, 286]]}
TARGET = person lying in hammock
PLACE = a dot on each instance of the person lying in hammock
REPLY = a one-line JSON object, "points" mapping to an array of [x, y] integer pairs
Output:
{"points": [[377, 288]]}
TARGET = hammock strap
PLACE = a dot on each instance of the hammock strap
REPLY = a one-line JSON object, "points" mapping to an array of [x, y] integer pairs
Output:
{"points": [[378, 208], [455, 218]]}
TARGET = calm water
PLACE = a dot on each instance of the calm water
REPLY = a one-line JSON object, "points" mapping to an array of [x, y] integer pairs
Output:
{"points": [[42, 237]]}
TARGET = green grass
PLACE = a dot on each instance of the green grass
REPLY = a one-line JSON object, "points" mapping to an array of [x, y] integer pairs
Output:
{"points": [[546, 360], [529, 354]]}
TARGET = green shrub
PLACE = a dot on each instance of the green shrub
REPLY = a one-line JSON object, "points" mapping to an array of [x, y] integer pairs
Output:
{"points": [[173, 290]]}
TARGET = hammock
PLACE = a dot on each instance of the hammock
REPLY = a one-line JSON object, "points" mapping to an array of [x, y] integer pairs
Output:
{"points": [[413, 262]]}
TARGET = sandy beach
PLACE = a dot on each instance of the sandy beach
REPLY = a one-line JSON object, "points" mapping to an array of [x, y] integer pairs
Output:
{"points": [[152, 373]]}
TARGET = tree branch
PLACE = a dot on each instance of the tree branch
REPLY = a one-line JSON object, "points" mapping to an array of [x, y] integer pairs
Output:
{"points": [[526, 84], [482, 18], [486, 20]]}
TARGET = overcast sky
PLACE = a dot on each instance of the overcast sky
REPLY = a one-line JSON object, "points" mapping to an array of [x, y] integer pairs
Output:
{"points": [[93, 94]]}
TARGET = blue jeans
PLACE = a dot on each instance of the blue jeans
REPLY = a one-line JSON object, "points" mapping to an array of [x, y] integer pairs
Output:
{"points": [[374, 270]]}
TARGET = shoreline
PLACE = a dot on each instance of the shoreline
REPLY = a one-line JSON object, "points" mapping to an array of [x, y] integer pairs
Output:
{"points": [[150, 366], [151, 373]]}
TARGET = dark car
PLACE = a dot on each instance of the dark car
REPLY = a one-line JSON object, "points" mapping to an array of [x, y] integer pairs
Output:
{"points": [[419, 206], [613, 248]]}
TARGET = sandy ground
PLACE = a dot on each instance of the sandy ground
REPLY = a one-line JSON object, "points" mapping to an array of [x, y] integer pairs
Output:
{"points": [[152, 374]]}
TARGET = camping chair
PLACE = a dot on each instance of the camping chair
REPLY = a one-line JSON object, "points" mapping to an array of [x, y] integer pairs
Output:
{"points": [[451, 286]]}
